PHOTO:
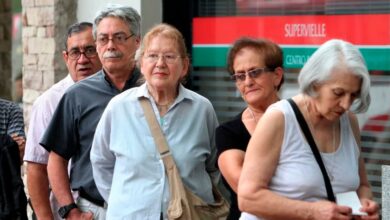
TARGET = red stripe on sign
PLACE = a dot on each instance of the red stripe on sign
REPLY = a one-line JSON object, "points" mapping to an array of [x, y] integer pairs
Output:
{"points": [[309, 29]]}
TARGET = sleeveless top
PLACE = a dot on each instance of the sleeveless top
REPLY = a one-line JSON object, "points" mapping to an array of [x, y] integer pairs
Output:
{"points": [[298, 175]]}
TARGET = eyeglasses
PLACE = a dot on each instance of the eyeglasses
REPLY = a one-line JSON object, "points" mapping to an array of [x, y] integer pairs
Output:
{"points": [[75, 54], [169, 58], [119, 38], [253, 74]]}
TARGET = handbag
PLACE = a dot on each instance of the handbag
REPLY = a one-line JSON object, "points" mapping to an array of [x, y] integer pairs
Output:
{"points": [[314, 149], [183, 204], [13, 200]]}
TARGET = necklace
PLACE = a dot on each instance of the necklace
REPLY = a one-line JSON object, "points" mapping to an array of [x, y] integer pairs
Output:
{"points": [[167, 104], [328, 171], [164, 108]]}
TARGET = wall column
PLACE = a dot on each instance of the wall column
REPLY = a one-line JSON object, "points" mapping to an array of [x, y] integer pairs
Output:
{"points": [[45, 23]]}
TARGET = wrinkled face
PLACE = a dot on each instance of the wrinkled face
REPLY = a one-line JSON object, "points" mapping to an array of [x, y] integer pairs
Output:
{"points": [[337, 95], [116, 46], [254, 89], [87, 63], [162, 65]]}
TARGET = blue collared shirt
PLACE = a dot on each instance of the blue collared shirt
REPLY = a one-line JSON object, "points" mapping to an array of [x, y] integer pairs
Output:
{"points": [[126, 164]]}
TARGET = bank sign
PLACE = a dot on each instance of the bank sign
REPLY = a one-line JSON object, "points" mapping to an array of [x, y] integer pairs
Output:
{"points": [[299, 36]]}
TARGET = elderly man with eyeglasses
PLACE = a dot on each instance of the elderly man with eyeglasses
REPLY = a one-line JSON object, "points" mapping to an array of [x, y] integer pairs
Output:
{"points": [[82, 61], [70, 132]]}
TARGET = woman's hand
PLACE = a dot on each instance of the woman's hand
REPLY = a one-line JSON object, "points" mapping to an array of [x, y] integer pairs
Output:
{"points": [[325, 210], [371, 208]]}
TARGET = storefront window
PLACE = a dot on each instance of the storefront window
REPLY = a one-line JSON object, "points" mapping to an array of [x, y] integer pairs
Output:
{"points": [[299, 27]]}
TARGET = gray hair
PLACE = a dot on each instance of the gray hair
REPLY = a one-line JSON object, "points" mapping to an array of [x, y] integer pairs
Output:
{"points": [[127, 14], [327, 58]]}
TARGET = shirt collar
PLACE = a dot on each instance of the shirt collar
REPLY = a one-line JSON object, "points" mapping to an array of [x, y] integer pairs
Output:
{"points": [[183, 93], [68, 79]]}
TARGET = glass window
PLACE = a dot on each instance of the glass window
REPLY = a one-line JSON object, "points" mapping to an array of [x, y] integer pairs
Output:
{"points": [[299, 27]]}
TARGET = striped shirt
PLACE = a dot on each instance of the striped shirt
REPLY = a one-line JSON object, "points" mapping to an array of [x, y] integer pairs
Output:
{"points": [[11, 118]]}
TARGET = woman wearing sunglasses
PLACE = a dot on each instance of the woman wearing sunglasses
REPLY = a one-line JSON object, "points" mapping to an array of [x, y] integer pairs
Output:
{"points": [[256, 66]]}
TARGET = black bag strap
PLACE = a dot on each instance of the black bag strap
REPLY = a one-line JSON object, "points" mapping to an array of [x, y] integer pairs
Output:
{"points": [[313, 146]]}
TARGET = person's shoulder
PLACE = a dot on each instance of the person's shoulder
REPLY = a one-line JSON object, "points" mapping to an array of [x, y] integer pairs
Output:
{"points": [[63, 84], [234, 124], [88, 83], [283, 107], [129, 95], [10, 105], [95, 78], [54, 93], [283, 103], [195, 96], [6, 102], [276, 115]]}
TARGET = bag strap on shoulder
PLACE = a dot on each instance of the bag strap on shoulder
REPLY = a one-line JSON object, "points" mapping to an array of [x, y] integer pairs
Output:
{"points": [[158, 136], [314, 149]]}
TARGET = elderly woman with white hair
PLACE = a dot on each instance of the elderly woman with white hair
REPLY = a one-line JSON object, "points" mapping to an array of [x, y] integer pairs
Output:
{"points": [[281, 177]]}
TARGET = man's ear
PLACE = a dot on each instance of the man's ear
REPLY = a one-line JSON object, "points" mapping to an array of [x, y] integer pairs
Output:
{"points": [[65, 56], [138, 41]]}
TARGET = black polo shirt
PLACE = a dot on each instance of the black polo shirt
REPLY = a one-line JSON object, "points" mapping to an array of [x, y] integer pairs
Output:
{"points": [[71, 130]]}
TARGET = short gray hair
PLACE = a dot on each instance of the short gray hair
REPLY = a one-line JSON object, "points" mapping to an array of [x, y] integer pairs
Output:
{"points": [[127, 14], [328, 57]]}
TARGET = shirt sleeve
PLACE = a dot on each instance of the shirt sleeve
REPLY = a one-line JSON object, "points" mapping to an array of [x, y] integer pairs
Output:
{"points": [[40, 118], [211, 165], [102, 159], [231, 135], [16, 121], [61, 135]]}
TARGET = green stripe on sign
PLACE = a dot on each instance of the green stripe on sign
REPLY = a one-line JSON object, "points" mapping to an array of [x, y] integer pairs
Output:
{"points": [[209, 56], [294, 57], [377, 58]]}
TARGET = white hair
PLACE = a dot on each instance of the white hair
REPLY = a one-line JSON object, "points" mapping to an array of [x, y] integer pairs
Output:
{"points": [[328, 57]]}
